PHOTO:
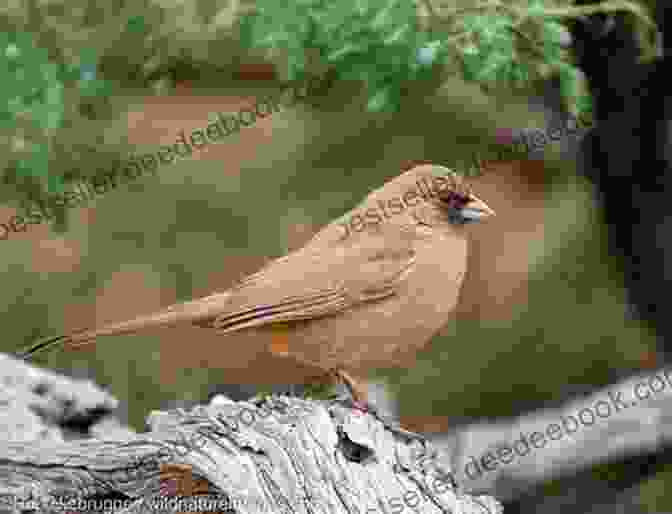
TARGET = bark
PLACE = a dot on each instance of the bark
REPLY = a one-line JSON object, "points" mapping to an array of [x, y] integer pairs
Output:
{"points": [[275, 455]]}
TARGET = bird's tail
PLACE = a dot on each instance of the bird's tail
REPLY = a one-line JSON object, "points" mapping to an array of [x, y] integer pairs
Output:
{"points": [[191, 312], [71, 340], [43, 344]]}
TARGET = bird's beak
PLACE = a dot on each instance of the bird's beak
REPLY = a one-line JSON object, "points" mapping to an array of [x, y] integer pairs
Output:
{"points": [[476, 209]]}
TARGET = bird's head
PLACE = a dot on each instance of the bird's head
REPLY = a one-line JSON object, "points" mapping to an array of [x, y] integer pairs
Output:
{"points": [[432, 197], [425, 200], [455, 200]]}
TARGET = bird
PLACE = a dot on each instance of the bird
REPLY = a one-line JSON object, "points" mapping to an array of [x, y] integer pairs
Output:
{"points": [[369, 290]]}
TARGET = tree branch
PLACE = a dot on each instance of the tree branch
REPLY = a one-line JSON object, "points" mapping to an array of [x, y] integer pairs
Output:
{"points": [[620, 422], [275, 455]]}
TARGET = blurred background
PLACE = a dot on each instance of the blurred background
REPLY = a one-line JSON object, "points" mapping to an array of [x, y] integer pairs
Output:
{"points": [[542, 315]]}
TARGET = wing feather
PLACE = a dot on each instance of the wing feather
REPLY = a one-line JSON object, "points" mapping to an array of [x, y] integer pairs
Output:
{"points": [[312, 283]]}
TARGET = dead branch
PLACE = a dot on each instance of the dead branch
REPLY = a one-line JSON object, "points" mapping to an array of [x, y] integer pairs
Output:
{"points": [[274, 455], [623, 423]]}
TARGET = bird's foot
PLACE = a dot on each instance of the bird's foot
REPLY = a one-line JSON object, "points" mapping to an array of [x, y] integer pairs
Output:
{"points": [[389, 423], [358, 399]]}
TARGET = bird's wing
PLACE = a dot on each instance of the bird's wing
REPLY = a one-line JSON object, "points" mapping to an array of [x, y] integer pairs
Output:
{"points": [[312, 283]]}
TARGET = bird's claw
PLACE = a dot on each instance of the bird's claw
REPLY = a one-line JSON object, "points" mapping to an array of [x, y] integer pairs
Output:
{"points": [[389, 424]]}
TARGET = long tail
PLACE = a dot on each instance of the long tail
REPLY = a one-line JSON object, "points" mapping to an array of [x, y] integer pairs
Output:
{"points": [[192, 312], [79, 338], [40, 345]]}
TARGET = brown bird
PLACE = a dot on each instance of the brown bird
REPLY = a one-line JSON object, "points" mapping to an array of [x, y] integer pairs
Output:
{"points": [[367, 291]]}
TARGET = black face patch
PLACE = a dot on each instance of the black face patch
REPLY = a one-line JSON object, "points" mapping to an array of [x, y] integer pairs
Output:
{"points": [[454, 200]]}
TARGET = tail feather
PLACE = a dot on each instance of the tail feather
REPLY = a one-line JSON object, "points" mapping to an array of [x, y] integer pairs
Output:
{"points": [[41, 345], [189, 312]]}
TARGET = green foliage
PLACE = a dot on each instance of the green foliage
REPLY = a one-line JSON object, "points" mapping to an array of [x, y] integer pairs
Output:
{"points": [[67, 70], [136, 24], [32, 100], [571, 89], [30, 83], [377, 41], [32, 92], [488, 56], [66, 66], [383, 44]]}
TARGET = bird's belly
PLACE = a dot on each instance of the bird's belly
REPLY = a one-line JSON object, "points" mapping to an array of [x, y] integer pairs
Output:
{"points": [[244, 357]]}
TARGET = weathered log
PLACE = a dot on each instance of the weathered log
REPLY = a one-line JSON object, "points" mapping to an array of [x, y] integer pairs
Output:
{"points": [[271, 455], [608, 425], [40, 409], [39, 404]]}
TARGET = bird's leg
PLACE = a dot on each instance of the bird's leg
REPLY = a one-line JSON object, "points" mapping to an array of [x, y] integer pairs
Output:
{"points": [[358, 394], [359, 399]]}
